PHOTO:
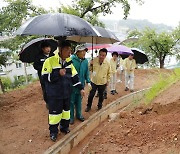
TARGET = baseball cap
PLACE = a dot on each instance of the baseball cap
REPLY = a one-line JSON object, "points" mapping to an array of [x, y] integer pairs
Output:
{"points": [[80, 47]]}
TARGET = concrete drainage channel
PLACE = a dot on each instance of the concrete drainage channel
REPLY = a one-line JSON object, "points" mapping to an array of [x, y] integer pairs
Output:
{"points": [[81, 131]]}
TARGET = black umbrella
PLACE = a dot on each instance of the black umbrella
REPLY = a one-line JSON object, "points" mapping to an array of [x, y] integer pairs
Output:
{"points": [[104, 36], [105, 33], [139, 56], [56, 24], [30, 50]]}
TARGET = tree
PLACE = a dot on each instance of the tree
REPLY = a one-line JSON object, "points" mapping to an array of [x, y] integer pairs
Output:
{"points": [[17, 11], [156, 45], [90, 9], [3, 59], [12, 16]]}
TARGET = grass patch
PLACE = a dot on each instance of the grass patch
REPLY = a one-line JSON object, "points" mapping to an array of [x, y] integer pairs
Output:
{"points": [[165, 80], [136, 102]]}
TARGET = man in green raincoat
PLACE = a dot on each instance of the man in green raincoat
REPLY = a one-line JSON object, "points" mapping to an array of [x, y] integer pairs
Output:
{"points": [[81, 65]]}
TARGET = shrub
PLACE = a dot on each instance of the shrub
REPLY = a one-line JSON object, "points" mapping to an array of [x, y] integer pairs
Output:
{"points": [[18, 81], [7, 83]]}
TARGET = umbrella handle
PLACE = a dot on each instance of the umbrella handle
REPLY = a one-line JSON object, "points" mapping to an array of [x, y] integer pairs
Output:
{"points": [[92, 52]]}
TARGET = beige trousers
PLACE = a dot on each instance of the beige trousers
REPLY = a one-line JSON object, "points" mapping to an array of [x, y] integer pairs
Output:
{"points": [[129, 80], [113, 81]]}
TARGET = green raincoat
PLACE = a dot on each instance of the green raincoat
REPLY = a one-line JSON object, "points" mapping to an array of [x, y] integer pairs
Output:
{"points": [[81, 67]]}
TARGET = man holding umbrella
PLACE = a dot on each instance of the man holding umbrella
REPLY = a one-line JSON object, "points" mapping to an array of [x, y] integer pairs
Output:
{"points": [[38, 64], [60, 75]]}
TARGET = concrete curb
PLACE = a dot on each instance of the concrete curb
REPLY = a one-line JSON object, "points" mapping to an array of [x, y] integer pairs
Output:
{"points": [[81, 131]]}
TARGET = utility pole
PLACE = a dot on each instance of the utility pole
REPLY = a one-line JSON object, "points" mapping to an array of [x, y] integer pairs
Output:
{"points": [[25, 71]]}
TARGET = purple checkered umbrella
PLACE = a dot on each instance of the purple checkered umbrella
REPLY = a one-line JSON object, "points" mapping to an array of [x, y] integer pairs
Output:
{"points": [[120, 49]]}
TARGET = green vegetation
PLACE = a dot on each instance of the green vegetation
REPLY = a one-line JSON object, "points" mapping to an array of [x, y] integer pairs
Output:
{"points": [[12, 16], [8, 84], [90, 9], [18, 11], [157, 45], [162, 84]]}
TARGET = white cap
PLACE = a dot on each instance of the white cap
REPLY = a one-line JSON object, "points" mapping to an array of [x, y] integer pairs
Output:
{"points": [[80, 48]]}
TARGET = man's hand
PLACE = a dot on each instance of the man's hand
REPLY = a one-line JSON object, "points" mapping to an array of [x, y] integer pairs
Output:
{"points": [[82, 93], [91, 62], [62, 72], [89, 87]]}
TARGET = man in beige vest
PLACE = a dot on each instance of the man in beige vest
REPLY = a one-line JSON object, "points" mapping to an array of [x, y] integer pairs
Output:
{"points": [[101, 70], [113, 64], [129, 66]]}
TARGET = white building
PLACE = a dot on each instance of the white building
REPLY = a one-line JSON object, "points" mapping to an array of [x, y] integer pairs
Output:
{"points": [[17, 69]]}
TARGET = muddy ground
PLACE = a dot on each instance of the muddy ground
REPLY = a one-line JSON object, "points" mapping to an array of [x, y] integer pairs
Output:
{"points": [[24, 121], [147, 129]]}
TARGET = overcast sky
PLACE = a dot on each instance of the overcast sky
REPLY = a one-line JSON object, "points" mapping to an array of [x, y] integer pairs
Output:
{"points": [[156, 11]]}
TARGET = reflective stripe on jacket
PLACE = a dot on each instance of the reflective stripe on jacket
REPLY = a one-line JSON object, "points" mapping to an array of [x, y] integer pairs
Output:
{"points": [[38, 63], [58, 86], [81, 67]]}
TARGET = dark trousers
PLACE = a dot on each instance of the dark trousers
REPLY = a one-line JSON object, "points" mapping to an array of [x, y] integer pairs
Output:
{"points": [[100, 89], [43, 87], [56, 107], [105, 91], [104, 94]]}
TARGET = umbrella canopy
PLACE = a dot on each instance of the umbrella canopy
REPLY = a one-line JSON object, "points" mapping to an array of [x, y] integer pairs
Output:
{"points": [[105, 33], [56, 24], [30, 50], [120, 49], [139, 56], [104, 36]]}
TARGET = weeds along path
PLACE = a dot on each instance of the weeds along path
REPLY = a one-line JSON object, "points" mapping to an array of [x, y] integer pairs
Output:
{"points": [[148, 129]]}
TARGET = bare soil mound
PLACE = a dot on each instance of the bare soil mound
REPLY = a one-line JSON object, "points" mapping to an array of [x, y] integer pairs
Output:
{"points": [[24, 117], [153, 129]]}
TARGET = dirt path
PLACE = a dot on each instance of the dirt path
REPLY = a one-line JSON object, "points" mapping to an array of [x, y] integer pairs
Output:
{"points": [[24, 117], [153, 129]]}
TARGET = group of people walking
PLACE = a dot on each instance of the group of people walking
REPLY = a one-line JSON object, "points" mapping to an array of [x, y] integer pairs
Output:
{"points": [[63, 77], [128, 65]]}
